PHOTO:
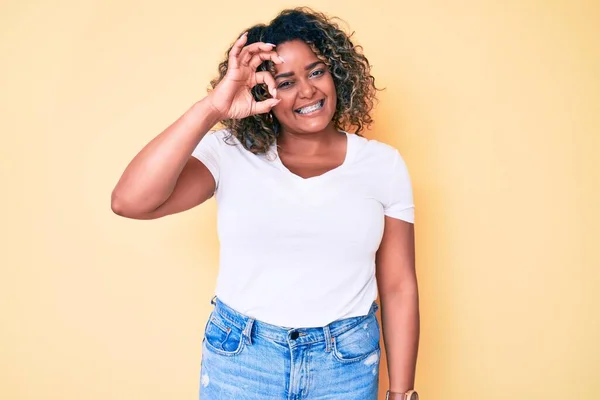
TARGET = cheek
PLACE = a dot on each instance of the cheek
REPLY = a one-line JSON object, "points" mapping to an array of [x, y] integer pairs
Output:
{"points": [[284, 106], [281, 112], [332, 96], [333, 99], [329, 88]]}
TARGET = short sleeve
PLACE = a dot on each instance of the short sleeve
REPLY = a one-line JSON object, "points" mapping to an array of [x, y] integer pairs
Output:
{"points": [[400, 200], [208, 152]]}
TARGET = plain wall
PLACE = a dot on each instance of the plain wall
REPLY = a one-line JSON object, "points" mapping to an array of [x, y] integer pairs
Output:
{"points": [[493, 104]]}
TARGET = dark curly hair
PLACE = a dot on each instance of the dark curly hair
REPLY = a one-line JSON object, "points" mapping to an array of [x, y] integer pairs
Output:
{"points": [[350, 69]]}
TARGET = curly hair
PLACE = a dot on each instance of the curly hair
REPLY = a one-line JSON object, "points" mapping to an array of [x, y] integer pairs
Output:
{"points": [[350, 69]]}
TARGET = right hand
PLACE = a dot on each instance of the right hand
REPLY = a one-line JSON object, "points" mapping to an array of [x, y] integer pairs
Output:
{"points": [[232, 97]]}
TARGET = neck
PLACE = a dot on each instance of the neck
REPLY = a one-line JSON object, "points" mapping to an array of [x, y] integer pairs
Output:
{"points": [[308, 143]]}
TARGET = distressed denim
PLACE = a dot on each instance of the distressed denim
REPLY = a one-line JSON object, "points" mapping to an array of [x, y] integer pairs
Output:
{"points": [[246, 359]]}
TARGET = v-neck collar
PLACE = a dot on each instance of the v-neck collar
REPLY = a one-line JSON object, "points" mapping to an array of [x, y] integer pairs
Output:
{"points": [[347, 159]]}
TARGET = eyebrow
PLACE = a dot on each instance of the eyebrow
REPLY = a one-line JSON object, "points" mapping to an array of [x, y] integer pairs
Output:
{"points": [[309, 66]]}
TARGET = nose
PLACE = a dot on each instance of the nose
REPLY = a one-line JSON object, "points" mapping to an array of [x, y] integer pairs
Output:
{"points": [[306, 89]]}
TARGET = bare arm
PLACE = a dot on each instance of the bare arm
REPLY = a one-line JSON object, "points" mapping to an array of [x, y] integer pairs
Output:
{"points": [[194, 186], [398, 293], [164, 178], [164, 169]]}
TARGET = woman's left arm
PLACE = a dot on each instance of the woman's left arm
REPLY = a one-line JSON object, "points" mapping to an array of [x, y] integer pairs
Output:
{"points": [[399, 301]]}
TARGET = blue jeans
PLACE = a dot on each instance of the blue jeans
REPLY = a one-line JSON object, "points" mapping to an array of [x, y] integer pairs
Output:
{"points": [[246, 359]]}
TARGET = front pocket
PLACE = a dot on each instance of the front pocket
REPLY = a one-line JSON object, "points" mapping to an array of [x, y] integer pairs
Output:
{"points": [[223, 337], [359, 342]]}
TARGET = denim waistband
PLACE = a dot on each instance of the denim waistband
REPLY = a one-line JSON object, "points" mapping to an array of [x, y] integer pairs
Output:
{"points": [[281, 334]]}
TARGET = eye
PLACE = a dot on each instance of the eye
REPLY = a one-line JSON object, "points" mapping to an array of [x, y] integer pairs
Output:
{"points": [[317, 72], [284, 85]]}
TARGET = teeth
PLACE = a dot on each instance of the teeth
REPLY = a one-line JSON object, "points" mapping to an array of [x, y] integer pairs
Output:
{"points": [[312, 108]]}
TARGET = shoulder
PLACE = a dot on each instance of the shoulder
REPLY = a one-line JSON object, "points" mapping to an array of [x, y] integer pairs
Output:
{"points": [[223, 137], [220, 141], [377, 152]]}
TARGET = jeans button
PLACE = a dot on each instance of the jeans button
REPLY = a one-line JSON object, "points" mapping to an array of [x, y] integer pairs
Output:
{"points": [[295, 335]]}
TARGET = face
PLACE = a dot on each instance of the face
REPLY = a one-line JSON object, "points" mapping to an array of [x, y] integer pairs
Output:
{"points": [[306, 90]]}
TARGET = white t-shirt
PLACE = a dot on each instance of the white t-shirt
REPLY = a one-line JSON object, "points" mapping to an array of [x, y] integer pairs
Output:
{"points": [[298, 252]]}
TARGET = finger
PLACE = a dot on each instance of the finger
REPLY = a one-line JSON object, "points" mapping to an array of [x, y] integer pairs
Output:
{"points": [[251, 49], [258, 59], [236, 50], [266, 78], [263, 107]]}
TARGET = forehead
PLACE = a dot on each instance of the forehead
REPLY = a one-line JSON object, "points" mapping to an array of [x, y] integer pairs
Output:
{"points": [[296, 54]]}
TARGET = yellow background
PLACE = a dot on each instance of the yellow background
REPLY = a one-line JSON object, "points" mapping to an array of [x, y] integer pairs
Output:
{"points": [[494, 105]]}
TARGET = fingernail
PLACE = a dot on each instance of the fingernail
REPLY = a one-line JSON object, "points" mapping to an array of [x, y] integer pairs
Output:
{"points": [[245, 33], [281, 58], [270, 44]]}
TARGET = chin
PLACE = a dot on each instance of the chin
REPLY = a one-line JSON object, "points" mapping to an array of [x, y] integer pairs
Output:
{"points": [[309, 125], [312, 126]]}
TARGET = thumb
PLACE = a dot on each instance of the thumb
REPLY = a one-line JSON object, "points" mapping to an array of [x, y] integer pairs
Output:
{"points": [[263, 107]]}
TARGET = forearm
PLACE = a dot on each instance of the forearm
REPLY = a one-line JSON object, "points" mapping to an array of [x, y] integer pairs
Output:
{"points": [[401, 326], [151, 176]]}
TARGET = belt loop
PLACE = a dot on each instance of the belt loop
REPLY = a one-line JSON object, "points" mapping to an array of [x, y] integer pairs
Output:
{"points": [[248, 331], [328, 338], [212, 301], [375, 307]]}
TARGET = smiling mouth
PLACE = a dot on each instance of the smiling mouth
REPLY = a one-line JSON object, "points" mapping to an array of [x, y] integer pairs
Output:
{"points": [[310, 109]]}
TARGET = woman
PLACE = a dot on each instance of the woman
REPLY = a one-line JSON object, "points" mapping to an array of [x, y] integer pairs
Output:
{"points": [[313, 221]]}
